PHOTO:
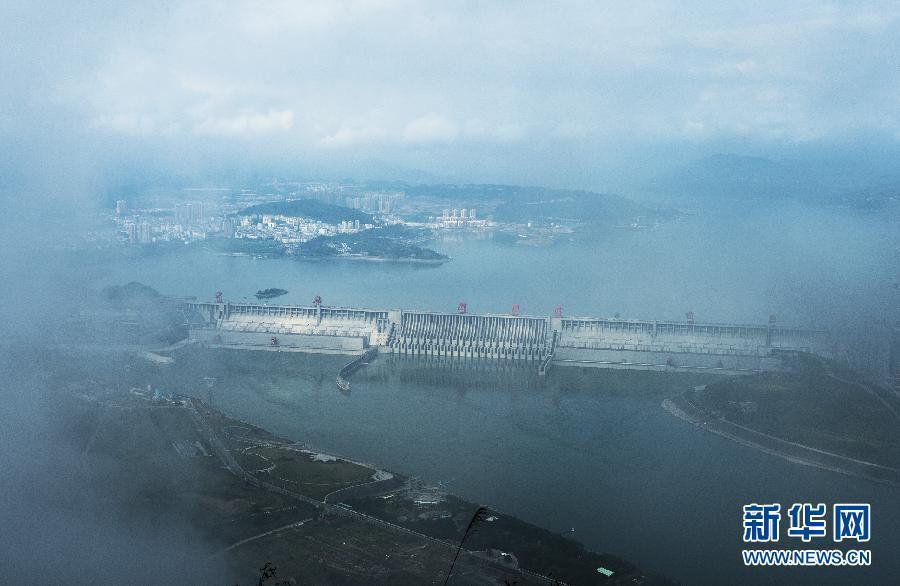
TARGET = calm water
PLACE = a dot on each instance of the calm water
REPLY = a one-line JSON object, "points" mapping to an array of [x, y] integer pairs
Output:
{"points": [[589, 450]]}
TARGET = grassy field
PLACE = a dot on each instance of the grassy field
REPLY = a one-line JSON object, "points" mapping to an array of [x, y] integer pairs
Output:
{"points": [[295, 470]]}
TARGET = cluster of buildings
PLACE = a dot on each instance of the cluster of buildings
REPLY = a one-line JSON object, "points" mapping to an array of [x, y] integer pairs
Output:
{"points": [[149, 226], [458, 218], [192, 220], [189, 214], [374, 202], [287, 229], [138, 232], [189, 222]]}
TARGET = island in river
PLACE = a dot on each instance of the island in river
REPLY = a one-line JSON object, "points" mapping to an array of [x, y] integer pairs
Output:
{"points": [[270, 293]]}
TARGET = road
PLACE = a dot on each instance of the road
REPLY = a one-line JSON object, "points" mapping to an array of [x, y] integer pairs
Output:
{"points": [[267, 533], [222, 452]]}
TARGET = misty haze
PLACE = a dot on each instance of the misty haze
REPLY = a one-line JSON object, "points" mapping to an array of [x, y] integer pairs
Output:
{"points": [[449, 293]]}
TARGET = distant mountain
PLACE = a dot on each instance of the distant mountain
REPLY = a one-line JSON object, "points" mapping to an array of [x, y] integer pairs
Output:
{"points": [[829, 182], [309, 208], [571, 206], [881, 197], [728, 176], [522, 204], [470, 192]]}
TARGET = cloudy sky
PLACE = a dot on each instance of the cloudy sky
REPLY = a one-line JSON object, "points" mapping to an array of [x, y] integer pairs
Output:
{"points": [[526, 86]]}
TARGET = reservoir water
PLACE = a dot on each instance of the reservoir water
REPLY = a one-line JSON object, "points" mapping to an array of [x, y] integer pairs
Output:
{"points": [[735, 264], [585, 449]]}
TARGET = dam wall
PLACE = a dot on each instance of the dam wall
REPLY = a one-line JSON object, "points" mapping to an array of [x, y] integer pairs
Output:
{"points": [[583, 341], [652, 360], [683, 337], [282, 342], [660, 345], [290, 328], [471, 336]]}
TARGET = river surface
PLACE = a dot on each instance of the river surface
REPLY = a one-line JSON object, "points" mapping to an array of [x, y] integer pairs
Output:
{"points": [[585, 449]]}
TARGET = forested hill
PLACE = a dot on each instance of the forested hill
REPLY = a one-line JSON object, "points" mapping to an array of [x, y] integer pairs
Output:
{"points": [[309, 208]]}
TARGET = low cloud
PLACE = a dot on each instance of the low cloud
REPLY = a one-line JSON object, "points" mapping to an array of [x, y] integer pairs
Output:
{"points": [[430, 128], [592, 80], [349, 137], [248, 123]]}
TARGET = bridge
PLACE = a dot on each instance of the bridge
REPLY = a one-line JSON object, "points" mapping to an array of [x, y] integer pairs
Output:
{"points": [[582, 341]]}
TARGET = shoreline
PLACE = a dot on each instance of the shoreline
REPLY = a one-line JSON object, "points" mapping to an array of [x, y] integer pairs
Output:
{"points": [[383, 482], [423, 261], [682, 408]]}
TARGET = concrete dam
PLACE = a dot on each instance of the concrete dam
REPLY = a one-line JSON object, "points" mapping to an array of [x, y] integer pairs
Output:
{"points": [[581, 341]]}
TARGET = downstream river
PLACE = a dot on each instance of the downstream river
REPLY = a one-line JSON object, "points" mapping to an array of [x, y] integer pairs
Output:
{"points": [[581, 449]]}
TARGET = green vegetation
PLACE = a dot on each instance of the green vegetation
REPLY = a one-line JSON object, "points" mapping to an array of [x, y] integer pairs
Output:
{"points": [[296, 470], [133, 293], [270, 293], [309, 208], [278, 462], [817, 403], [389, 243], [380, 243]]}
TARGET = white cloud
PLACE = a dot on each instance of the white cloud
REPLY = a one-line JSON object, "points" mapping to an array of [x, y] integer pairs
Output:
{"points": [[503, 132], [739, 67], [125, 124], [248, 122], [350, 137], [430, 128], [350, 73]]}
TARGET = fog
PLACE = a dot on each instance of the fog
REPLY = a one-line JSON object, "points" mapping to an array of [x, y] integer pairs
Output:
{"points": [[118, 99]]}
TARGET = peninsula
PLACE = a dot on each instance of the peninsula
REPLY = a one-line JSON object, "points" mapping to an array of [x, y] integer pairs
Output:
{"points": [[817, 413]]}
